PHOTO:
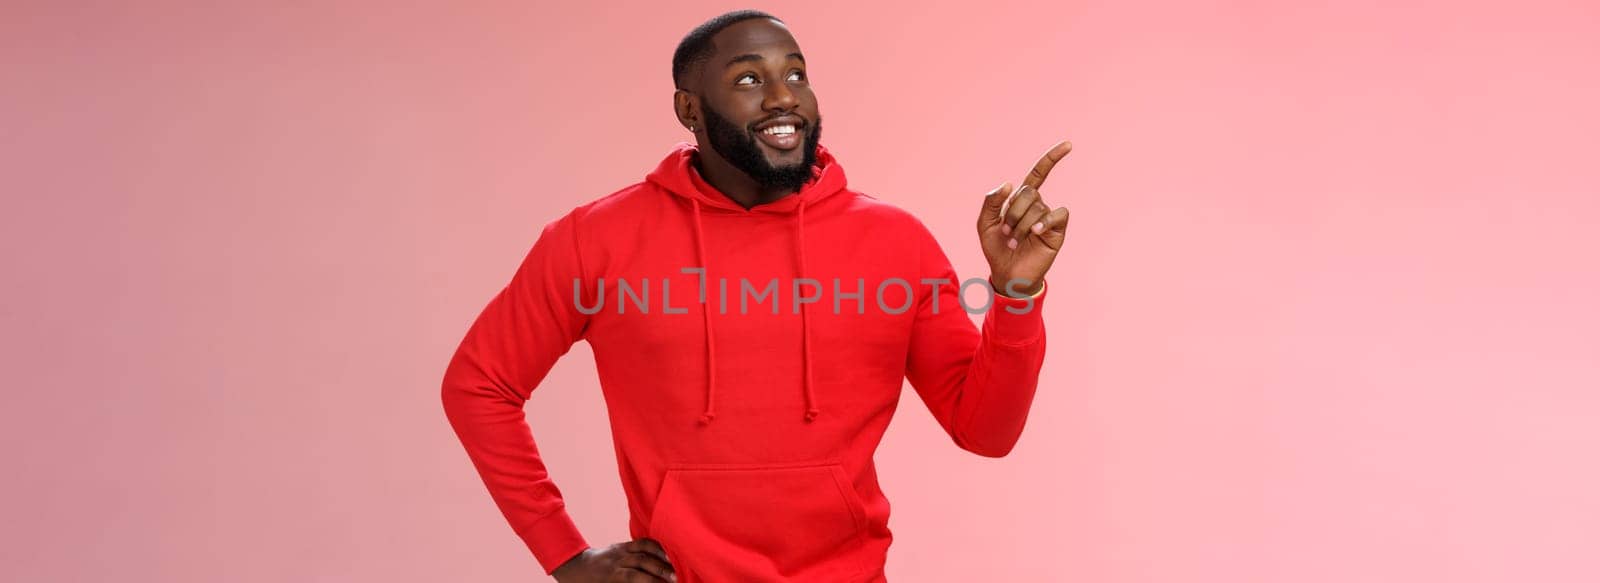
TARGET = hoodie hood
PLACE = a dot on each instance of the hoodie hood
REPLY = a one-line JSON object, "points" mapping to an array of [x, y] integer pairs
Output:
{"points": [[678, 175]]}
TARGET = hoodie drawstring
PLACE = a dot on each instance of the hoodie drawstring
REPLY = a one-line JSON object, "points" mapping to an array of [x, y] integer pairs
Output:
{"points": [[805, 327], [812, 408], [711, 339]]}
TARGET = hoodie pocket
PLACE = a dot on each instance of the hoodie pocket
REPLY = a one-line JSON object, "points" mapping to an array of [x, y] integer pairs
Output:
{"points": [[801, 522]]}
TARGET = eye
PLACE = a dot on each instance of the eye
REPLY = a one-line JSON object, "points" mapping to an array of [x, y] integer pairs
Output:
{"points": [[797, 75], [740, 80]]}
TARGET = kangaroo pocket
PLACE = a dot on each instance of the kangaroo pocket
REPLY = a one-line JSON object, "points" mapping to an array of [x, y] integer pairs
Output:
{"points": [[740, 523]]}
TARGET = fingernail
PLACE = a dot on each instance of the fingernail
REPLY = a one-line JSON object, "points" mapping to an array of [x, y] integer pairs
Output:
{"points": [[1011, 243], [1038, 228], [1005, 228]]}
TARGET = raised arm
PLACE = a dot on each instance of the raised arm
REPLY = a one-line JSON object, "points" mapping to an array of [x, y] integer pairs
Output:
{"points": [[979, 383]]}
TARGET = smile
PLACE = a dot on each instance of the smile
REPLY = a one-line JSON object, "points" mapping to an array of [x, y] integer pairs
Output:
{"points": [[780, 137]]}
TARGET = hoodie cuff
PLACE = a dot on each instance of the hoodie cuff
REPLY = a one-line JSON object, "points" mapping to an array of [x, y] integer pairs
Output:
{"points": [[1005, 325], [554, 540]]}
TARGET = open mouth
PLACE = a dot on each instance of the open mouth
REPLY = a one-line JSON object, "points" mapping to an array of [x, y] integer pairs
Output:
{"points": [[780, 135]]}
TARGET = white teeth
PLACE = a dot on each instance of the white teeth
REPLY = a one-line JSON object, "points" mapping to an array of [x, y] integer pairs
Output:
{"points": [[779, 130]]}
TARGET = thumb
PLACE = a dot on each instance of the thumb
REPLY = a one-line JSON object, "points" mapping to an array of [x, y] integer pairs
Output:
{"points": [[993, 203]]}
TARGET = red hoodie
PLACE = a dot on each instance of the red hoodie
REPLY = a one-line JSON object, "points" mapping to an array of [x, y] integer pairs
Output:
{"points": [[744, 440]]}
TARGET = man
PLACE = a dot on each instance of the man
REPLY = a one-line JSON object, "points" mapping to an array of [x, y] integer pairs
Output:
{"points": [[745, 407]]}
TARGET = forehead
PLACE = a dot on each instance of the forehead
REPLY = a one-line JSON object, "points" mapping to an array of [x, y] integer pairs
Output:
{"points": [[757, 35]]}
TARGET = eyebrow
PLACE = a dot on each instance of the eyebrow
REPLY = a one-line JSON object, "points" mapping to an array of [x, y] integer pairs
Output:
{"points": [[755, 57]]}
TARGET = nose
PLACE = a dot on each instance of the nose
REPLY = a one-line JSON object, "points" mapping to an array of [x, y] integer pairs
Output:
{"points": [[779, 97]]}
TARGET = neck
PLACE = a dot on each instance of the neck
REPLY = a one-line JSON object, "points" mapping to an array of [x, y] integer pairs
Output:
{"points": [[733, 182]]}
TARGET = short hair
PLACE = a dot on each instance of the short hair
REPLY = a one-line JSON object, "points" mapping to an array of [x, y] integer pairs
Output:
{"points": [[696, 47]]}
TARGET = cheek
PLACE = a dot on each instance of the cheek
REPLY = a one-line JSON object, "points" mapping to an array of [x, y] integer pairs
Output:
{"points": [[807, 97], [743, 112]]}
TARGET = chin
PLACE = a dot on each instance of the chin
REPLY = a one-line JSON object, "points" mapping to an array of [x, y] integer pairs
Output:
{"points": [[782, 158], [787, 159]]}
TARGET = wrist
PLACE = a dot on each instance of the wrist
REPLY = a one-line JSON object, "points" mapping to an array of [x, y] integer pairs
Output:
{"points": [[572, 564], [1022, 288]]}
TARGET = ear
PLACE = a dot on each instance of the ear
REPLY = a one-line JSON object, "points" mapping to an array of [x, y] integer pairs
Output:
{"points": [[687, 107]]}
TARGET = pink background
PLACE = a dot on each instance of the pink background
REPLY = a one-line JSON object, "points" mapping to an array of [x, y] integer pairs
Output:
{"points": [[1327, 310]]}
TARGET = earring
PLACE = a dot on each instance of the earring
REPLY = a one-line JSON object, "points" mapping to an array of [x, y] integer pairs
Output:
{"points": [[691, 128]]}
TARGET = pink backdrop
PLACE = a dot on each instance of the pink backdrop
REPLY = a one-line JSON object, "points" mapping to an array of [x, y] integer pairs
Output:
{"points": [[1327, 311]]}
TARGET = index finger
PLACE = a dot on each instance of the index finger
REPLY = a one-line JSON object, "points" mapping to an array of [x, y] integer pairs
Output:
{"points": [[1037, 175]]}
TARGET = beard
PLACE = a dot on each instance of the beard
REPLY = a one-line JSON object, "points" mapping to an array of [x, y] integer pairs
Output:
{"points": [[738, 146]]}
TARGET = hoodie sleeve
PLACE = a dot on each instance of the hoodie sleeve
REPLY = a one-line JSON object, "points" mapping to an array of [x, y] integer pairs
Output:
{"points": [[508, 350], [977, 381]]}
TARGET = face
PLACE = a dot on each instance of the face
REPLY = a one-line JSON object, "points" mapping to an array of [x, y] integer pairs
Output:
{"points": [[757, 106]]}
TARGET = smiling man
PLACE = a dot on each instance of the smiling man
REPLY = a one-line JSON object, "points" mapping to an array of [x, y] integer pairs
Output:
{"points": [[748, 392]]}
